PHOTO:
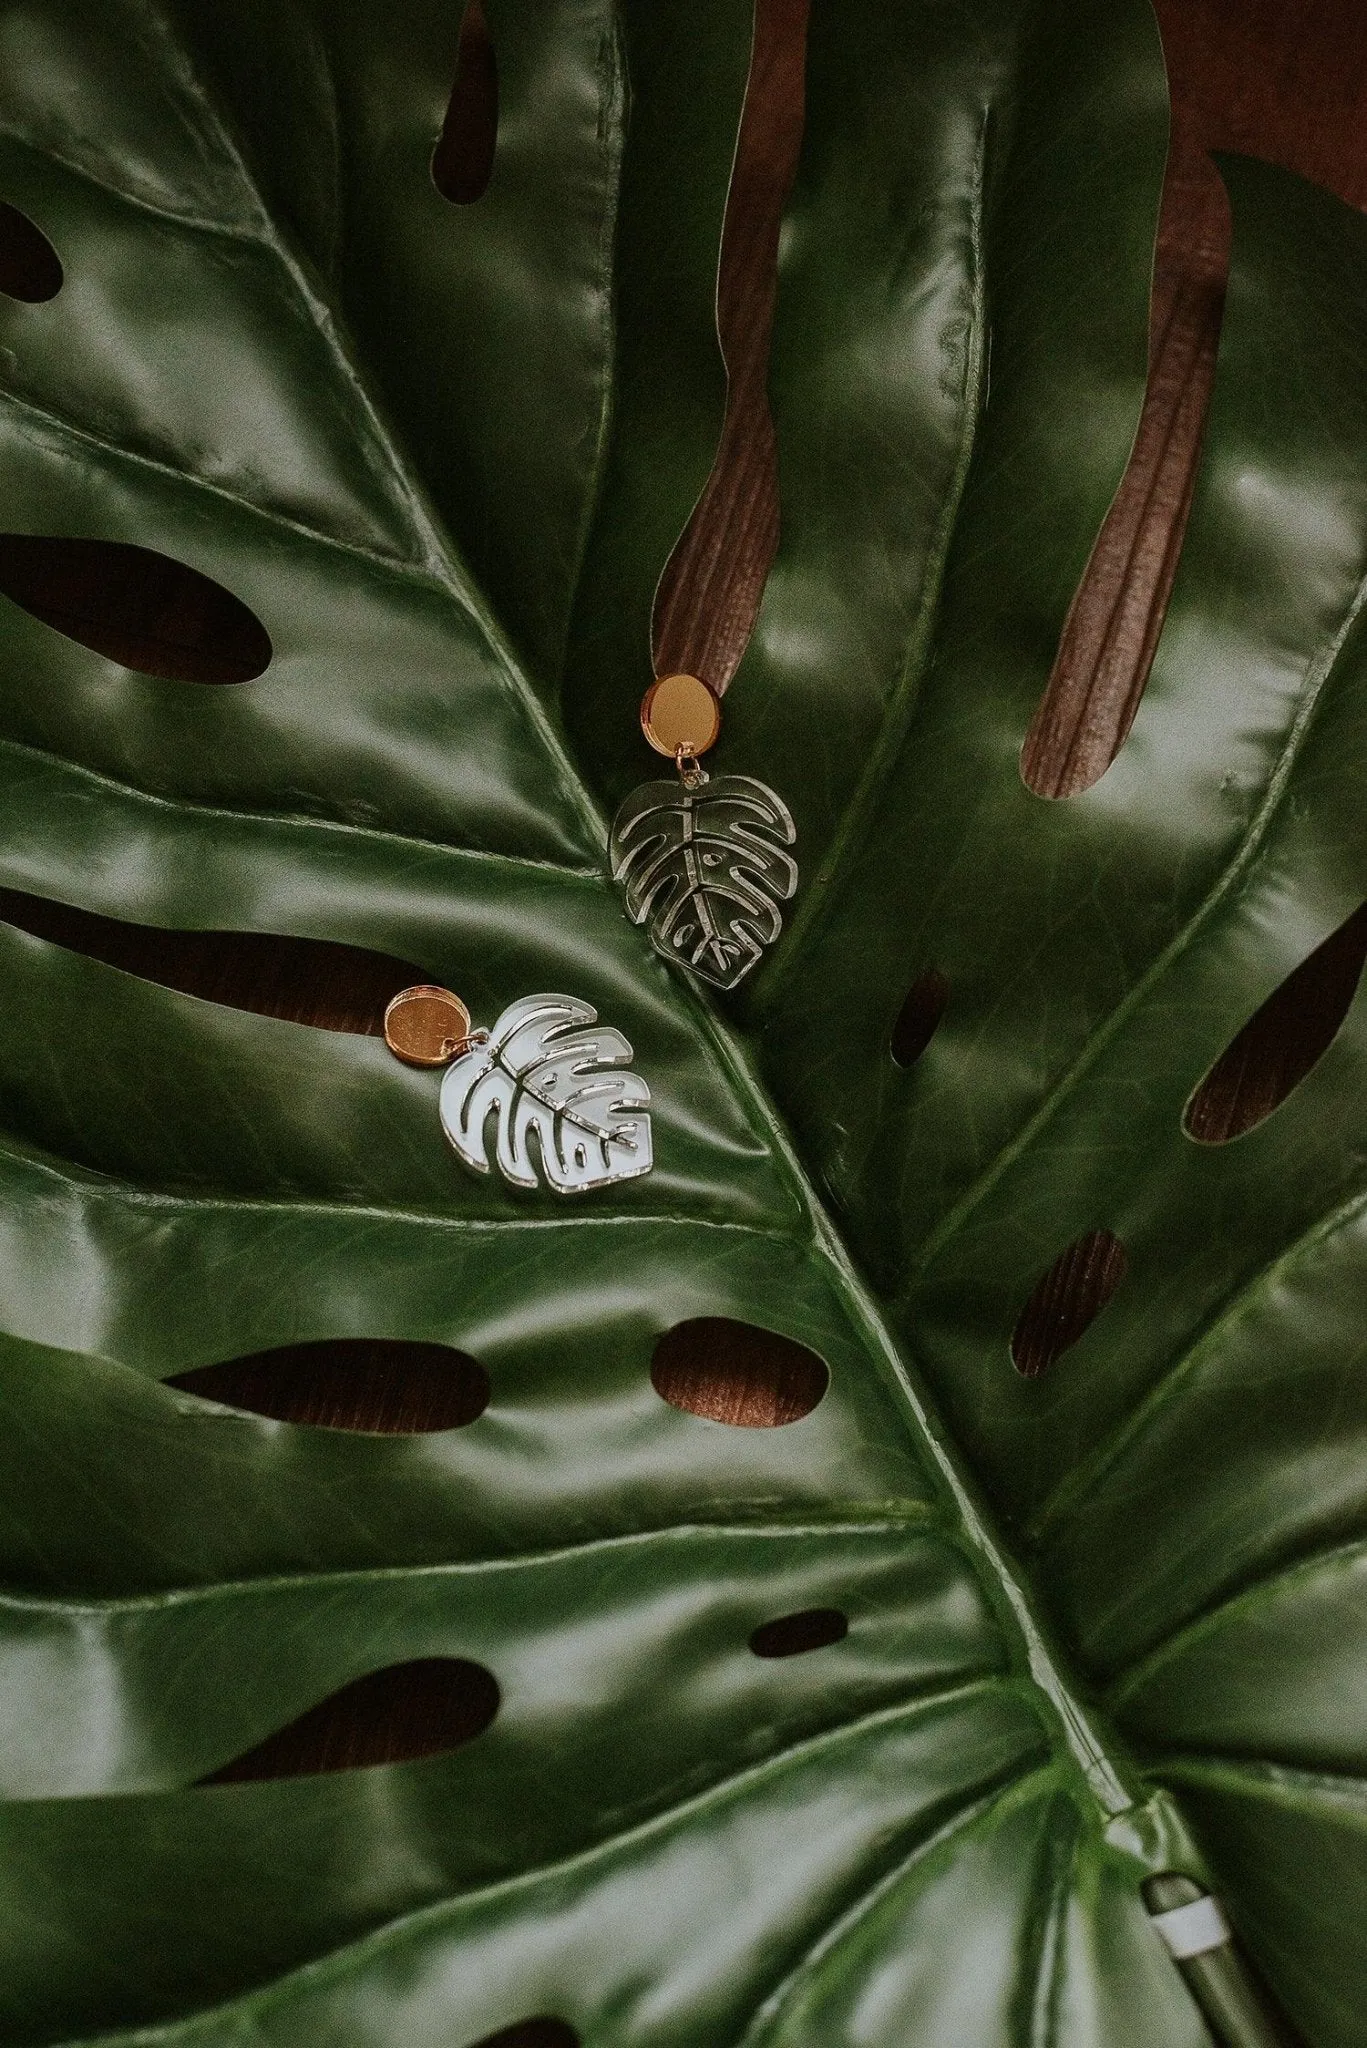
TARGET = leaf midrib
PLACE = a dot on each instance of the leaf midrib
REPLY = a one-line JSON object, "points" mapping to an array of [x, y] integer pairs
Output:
{"points": [[1104, 1775]]}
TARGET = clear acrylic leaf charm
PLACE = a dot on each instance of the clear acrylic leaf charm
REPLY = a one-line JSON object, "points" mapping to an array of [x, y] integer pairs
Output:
{"points": [[707, 863], [559, 1094]]}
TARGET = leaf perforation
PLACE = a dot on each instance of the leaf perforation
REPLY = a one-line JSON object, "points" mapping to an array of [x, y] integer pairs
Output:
{"points": [[436, 552], [1318, 678], [1078, 1484], [401, 1926]]}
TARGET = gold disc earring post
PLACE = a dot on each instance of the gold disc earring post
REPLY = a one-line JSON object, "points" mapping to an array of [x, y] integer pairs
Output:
{"points": [[681, 716], [426, 1026]]}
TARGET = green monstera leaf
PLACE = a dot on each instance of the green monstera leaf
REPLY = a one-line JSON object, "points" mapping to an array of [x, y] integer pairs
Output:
{"points": [[1050, 1639]]}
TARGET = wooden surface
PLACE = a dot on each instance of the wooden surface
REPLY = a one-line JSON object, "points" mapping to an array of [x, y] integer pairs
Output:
{"points": [[1283, 79], [734, 1373], [1280, 79], [711, 588], [307, 981], [383, 1385], [1282, 1041], [1067, 1300], [463, 160]]}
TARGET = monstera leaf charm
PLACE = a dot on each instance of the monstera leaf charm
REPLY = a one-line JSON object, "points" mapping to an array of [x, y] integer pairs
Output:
{"points": [[554, 1090], [707, 863]]}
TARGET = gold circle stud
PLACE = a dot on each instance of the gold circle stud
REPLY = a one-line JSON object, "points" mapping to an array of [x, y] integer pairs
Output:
{"points": [[679, 714], [426, 1026]]}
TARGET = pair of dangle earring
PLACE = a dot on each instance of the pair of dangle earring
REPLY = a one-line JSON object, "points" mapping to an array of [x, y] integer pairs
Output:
{"points": [[706, 863]]}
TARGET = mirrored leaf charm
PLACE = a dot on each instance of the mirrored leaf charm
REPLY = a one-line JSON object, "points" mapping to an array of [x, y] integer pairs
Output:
{"points": [[707, 862], [556, 1090]]}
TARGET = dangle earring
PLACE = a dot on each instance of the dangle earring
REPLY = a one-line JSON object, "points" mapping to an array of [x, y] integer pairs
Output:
{"points": [[705, 861], [560, 1092]]}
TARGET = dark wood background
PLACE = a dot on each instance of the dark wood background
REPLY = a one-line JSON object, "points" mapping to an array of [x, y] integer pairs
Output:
{"points": [[1281, 79]]}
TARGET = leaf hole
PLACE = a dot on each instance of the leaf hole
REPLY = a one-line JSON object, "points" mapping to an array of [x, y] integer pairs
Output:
{"points": [[792, 1635], [734, 1372], [1283, 1041], [709, 594], [306, 981], [1111, 633], [542, 2032], [144, 609], [380, 1385], [1067, 1300], [919, 1017], [30, 268], [407, 1711], [463, 160]]}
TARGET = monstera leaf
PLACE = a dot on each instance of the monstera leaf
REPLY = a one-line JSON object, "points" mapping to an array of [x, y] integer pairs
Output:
{"points": [[893, 1724]]}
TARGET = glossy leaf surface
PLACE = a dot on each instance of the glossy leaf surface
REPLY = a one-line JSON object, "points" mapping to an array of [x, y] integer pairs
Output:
{"points": [[441, 453], [1183, 1485]]}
